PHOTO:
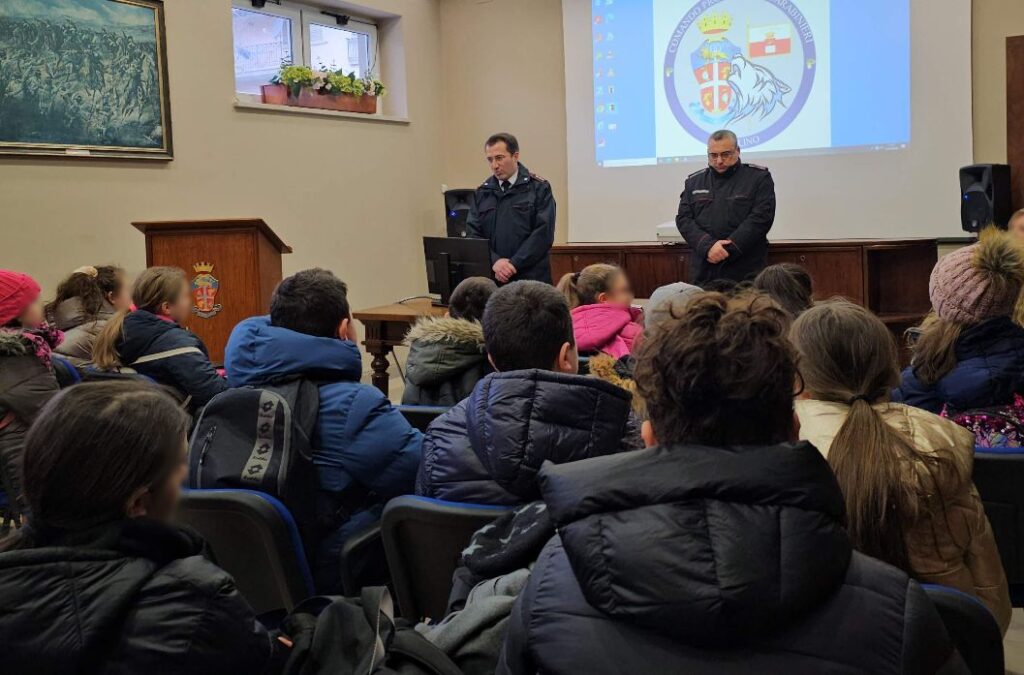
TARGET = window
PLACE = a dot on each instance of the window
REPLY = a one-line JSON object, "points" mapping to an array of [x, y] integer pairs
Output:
{"points": [[273, 34]]}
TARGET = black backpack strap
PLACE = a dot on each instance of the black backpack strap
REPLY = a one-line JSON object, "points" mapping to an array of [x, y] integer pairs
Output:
{"points": [[404, 646]]}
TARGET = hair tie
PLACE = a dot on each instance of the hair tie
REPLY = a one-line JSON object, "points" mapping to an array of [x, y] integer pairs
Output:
{"points": [[859, 397], [87, 270]]}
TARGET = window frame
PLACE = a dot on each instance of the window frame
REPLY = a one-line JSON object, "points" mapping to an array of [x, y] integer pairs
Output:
{"points": [[302, 16], [353, 26]]}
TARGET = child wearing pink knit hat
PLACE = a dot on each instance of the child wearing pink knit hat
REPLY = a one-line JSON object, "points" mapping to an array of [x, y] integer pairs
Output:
{"points": [[27, 380], [971, 353]]}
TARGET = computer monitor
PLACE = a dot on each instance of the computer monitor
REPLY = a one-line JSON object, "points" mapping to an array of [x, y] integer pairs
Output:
{"points": [[450, 260]]}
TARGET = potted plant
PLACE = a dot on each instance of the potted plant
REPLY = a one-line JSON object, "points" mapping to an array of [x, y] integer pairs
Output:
{"points": [[327, 90]]}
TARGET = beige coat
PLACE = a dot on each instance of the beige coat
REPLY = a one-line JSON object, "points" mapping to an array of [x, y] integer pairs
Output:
{"points": [[958, 550]]}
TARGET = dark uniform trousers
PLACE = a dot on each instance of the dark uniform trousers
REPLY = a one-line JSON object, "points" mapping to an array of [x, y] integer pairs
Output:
{"points": [[738, 205], [519, 222]]}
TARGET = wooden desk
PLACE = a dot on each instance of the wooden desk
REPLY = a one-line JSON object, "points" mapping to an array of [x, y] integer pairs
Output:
{"points": [[386, 328]]}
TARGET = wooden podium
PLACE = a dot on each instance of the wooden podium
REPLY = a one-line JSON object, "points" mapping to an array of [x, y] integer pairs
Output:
{"points": [[233, 266]]}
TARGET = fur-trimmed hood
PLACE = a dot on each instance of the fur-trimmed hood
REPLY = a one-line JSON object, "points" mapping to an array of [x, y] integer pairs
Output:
{"points": [[446, 329], [442, 348], [612, 371], [13, 344]]}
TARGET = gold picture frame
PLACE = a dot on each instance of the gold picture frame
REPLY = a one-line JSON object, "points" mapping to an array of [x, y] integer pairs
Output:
{"points": [[84, 78]]}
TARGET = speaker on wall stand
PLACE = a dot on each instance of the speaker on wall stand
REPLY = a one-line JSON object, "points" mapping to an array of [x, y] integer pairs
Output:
{"points": [[985, 196], [456, 210]]}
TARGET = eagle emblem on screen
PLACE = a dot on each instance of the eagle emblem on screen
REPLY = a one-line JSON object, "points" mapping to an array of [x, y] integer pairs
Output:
{"points": [[750, 67], [204, 291]]}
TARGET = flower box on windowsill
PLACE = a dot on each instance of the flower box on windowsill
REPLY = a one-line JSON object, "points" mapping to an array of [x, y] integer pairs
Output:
{"points": [[278, 94]]}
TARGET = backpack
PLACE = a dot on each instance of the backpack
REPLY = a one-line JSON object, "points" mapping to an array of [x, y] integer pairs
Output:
{"points": [[261, 439], [358, 636]]}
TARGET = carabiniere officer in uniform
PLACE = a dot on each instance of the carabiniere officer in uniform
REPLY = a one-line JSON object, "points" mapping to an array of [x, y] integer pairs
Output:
{"points": [[725, 213], [514, 209]]}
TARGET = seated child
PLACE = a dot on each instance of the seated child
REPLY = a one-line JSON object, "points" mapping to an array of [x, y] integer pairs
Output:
{"points": [[446, 355], [151, 341], [100, 579], [535, 408], [27, 380], [904, 472], [85, 301], [364, 450], [789, 285], [970, 353], [602, 316], [721, 547]]}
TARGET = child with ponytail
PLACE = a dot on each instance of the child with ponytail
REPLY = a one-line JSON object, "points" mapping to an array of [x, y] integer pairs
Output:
{"points": [[27, 379], [151, 341], [603, 317], [905, 473], [85, 301]]}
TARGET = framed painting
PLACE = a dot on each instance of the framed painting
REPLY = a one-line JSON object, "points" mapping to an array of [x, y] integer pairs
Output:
{"points": [[84, 78]]}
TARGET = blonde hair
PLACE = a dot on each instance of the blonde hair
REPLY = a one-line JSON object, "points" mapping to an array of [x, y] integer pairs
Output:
{"points": [[582, 288], [152, 288], [847, 355]]}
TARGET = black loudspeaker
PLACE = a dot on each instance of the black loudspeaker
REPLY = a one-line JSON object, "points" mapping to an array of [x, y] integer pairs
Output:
{"points": [[985, 196], [456, 211]]}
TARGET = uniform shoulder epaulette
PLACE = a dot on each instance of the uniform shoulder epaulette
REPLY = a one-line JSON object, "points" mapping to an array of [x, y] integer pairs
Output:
{"points": [[757, 166], [540, 179], [698, 171]]}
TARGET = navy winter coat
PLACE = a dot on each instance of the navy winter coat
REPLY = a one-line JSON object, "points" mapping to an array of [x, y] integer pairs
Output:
{"points": [[488, 448], [989, 370], [691, 559], [171, 355], [362, 441]]}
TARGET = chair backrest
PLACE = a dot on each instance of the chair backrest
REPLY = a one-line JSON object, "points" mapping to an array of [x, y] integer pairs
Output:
{"points": [[972, 628], [255, 539], [420, 416], [999, 475], [423, 539], [65, 372]]}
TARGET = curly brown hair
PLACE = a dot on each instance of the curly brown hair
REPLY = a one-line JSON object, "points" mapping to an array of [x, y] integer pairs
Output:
{"points": [[720, 373]]}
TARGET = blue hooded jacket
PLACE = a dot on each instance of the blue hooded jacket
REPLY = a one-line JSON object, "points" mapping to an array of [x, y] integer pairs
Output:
{"points": [[989, 370], [361, 439]]}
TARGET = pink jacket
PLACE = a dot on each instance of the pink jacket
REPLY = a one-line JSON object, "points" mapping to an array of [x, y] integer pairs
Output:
{"points": [[611, 329]]}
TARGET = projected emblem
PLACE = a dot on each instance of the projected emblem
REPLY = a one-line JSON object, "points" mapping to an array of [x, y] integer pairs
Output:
{"points": [[750, 67]]}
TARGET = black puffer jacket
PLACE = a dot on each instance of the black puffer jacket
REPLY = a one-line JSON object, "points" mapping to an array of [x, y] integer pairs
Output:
{"points": [[488, 448], [692, 560], [446, 360], [171, 355], [26, 385], [127, 597]]}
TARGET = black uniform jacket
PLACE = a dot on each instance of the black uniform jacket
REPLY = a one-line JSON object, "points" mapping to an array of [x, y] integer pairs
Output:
{"points": [[738, 205], [520, 223]]}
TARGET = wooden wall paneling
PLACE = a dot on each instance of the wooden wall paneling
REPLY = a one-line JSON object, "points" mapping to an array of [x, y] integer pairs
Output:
{"points": [[576, 259], [897, 279], [1015, 116], [835, 271], [650, 269]]}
